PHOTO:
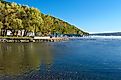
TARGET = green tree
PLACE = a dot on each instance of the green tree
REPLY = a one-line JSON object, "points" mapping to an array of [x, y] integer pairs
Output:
{"points": [[1, 26], [15, 16]]}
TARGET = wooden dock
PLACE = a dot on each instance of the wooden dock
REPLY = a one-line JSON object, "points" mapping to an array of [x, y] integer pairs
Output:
{"points": [[30, 39]]}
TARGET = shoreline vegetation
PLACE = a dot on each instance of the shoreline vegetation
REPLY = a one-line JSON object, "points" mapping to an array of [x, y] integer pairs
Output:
{"points": [[19, 22]]}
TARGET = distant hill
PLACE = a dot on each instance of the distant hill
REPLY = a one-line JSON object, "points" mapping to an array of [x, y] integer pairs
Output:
{"points": [[108, 34], [15, 16]]}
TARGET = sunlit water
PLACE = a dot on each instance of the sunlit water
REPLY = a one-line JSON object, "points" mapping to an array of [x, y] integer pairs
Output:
{"points": [[69, 60]]}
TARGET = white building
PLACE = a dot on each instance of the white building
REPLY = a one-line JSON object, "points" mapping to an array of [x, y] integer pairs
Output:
{"points": [[9, 33], [30, 34]]}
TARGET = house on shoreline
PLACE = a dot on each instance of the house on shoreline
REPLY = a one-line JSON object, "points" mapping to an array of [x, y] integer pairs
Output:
{"points": [[26, 33], [18, 33]]}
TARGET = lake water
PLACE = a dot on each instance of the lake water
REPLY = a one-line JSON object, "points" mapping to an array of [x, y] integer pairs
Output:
{"points": [[69, 60]]}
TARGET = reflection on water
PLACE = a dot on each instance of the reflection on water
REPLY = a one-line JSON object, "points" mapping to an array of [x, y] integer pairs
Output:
{"points": [[17, 59], [69, 60]]}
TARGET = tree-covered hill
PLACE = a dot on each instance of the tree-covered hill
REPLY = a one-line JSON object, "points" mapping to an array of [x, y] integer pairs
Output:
{"points": [[17, 17]]}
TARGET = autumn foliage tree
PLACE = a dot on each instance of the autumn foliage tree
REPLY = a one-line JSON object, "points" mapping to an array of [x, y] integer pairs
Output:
{"points": [[16, 17]]}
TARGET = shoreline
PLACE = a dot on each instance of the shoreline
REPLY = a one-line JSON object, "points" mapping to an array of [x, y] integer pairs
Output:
{"points": [[53, 39], [32, 39]]}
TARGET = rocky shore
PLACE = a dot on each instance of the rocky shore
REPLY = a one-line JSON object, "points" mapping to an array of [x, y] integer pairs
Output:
{"points": [[32, 39]]}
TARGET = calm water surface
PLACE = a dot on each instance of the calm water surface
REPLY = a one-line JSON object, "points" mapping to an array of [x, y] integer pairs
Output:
{"points": [[70, 60]]}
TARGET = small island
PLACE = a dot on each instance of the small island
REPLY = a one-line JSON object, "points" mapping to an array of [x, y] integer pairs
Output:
{"points": [[20, 22]]}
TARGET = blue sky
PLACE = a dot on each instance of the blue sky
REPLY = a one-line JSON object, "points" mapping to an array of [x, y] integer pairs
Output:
{"points": [[88, 15]]}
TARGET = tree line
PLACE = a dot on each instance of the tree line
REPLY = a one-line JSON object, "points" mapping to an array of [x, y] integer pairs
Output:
{"points": [[17, 17]]}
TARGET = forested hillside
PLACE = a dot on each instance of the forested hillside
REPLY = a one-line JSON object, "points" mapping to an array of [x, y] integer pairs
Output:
{"points": [[16, 17]]}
